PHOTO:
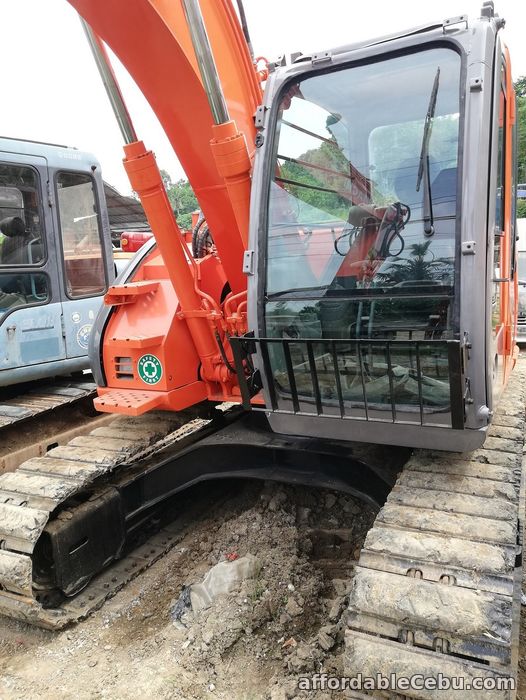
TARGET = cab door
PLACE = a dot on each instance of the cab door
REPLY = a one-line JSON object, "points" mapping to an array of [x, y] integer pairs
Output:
{"points": [[30, 306], [86, 263]]}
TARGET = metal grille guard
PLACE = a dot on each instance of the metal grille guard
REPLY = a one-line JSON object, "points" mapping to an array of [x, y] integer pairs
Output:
{"points": [[359, 352]]}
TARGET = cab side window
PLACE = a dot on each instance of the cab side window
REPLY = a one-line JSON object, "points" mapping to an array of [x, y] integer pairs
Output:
{"points": [[499, 207], [22, 241], [81, 235], [498, 270]]}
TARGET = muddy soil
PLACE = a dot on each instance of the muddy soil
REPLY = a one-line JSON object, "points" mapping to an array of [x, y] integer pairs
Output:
{"points": [[252, 643]]}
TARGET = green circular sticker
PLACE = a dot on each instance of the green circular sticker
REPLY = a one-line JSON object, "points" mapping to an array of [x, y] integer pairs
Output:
{"points": [[150, 369]]}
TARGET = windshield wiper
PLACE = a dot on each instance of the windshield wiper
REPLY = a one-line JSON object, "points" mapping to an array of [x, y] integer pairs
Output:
{"points": [[423, 166], [273, 295]]}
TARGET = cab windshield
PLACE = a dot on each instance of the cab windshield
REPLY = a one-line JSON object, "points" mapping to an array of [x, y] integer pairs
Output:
{"points": [[355, 158], [361, 221]]}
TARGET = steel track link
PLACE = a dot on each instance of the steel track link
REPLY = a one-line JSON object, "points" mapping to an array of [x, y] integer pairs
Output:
{"points": [[31, 496], [437, 586], [46, 397]]}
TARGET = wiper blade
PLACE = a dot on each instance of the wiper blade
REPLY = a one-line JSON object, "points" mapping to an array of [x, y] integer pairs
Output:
{"points": [[272, 295], [427, 128], [423, 166]]}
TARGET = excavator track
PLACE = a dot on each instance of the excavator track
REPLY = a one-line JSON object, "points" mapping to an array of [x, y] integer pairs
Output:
{"points": [[73, 522], [36, 496], [437, 589], [44, 397]]}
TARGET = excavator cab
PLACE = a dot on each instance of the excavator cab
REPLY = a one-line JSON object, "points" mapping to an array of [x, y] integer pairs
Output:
{"points": [[381, 269], [55, 258]]}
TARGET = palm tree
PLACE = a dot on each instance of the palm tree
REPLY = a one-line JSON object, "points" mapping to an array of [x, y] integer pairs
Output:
{"points": [[416, 268]]}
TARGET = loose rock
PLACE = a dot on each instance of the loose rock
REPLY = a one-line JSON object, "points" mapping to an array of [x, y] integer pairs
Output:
{"points": [[292, 608]]}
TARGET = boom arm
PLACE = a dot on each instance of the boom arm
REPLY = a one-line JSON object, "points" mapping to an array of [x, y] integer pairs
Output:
{"points": [[152, 40]]}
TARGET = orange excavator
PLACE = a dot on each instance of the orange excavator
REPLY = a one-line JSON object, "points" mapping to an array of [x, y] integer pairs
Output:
{"points": [[363, 293]]}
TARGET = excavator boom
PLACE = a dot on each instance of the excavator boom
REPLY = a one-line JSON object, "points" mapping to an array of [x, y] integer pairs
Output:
{"points": [[166, 71]]}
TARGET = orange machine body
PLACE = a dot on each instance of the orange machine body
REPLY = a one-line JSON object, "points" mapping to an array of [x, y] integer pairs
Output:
{"points": [[182, 330], [165, 337], [176, 306]]}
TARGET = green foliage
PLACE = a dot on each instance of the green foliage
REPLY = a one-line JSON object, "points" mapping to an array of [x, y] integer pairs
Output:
{"points": [[327, 156], [521, 209], [182, 199], [520, 91], [416, 268], [520, 86]]}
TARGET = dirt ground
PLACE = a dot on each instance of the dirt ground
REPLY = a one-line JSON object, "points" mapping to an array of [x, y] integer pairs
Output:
{"points": [[252, 643]]}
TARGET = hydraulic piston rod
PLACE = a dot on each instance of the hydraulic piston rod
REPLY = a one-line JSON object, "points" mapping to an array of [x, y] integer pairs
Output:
{"points": [[228, 144], [110, 83], [205, 61]]}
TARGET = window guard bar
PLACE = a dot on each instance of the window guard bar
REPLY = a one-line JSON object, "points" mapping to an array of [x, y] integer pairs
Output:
{"points": [[250, 382]]}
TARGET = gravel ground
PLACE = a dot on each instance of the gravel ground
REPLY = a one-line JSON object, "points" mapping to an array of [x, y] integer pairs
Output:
{"points": [[253, 642]]}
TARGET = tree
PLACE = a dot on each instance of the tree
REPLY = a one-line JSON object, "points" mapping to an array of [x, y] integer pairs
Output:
{"points": [[182, 199], [520, 86], [166, 178], [520, 92], [416, 268], [329, 172]]}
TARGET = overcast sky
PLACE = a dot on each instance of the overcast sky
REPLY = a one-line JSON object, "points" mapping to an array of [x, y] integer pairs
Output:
{"points": [[51, 90]]}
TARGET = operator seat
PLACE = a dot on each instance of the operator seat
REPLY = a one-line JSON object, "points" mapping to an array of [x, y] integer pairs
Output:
{"points": [[405, 184], [14, 251], [444, 190], [19, 248], [14, 248]]}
